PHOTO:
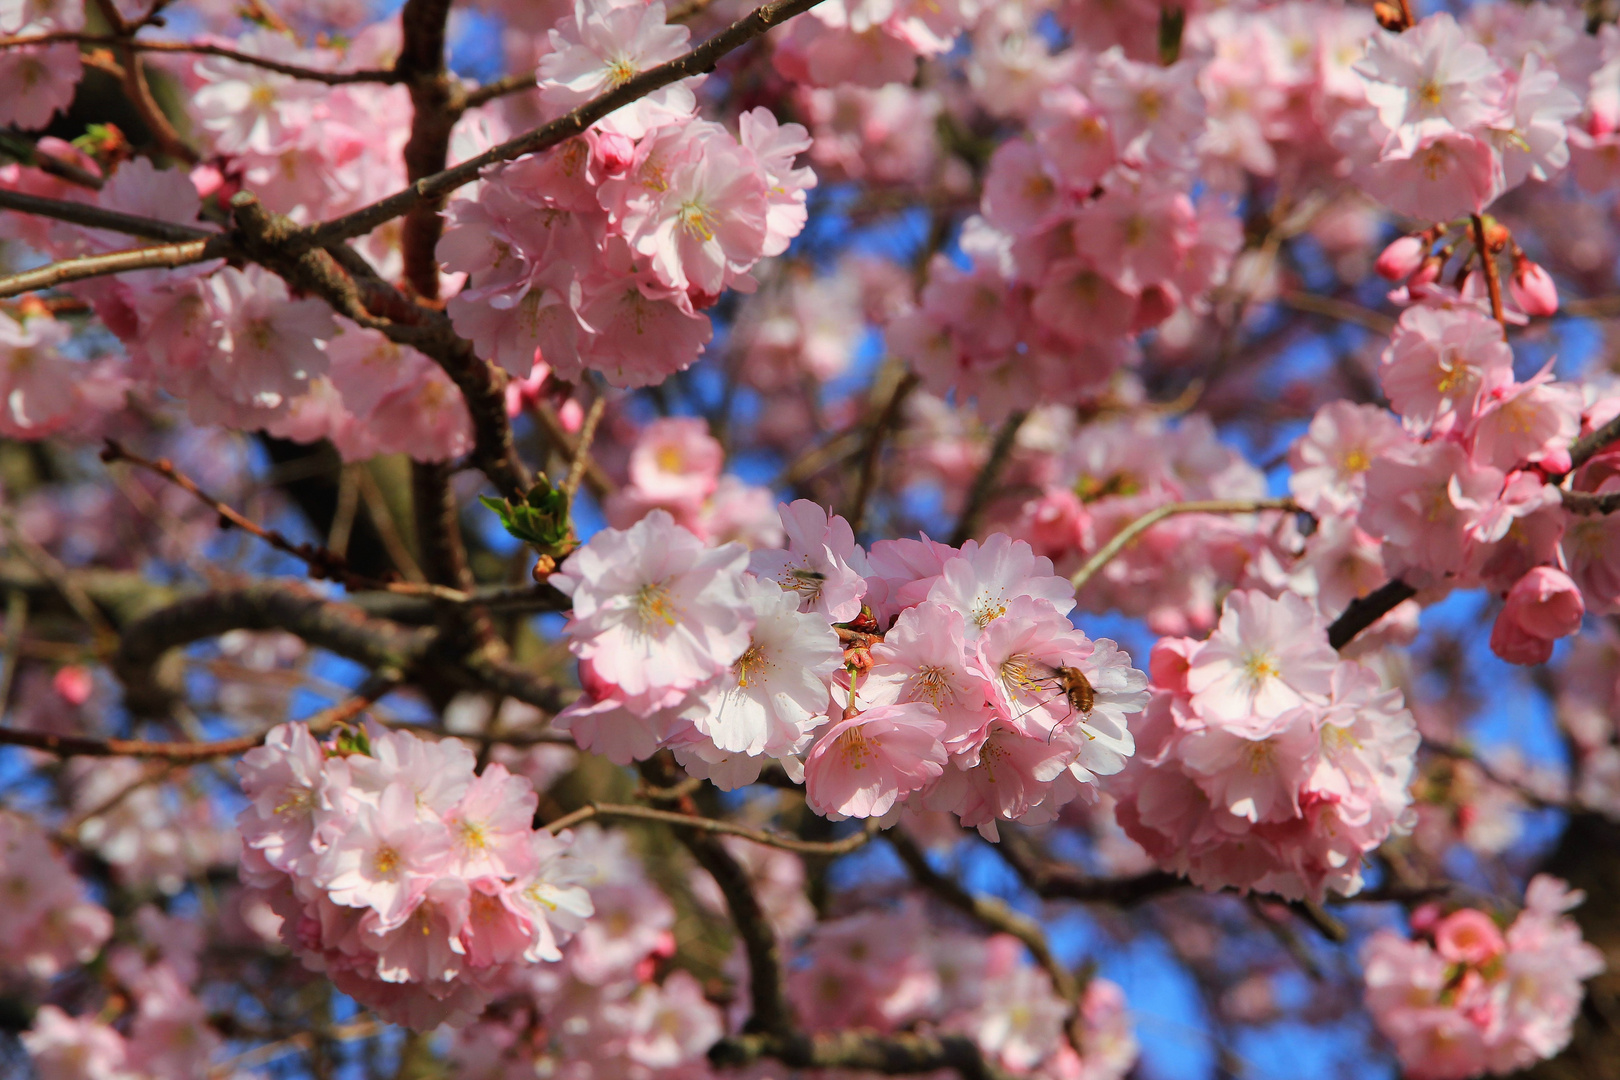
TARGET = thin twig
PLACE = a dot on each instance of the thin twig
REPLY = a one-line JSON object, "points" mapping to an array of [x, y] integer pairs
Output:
{"points": [[872, 448], [712, 825], [1493, 282], [322, 562], [16, 622], [103, 637], [162, 256], [1142, 524], [582, 449], [182, 752], [1334, 308], [995, 916], [985, 482]]}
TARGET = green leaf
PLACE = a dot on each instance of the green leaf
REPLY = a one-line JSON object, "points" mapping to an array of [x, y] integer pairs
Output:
{"points": [[541, 520]]}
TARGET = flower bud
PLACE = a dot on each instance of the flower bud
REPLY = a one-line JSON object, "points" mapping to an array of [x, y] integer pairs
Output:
{"points": [[1533, 288], [1542, 606], [1402, 258]]}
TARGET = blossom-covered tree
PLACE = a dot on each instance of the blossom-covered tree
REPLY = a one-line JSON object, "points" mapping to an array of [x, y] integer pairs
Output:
{"points": [[676, 539]]}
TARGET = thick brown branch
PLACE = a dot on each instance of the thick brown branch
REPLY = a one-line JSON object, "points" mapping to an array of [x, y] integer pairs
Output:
{"points": [[1591, 502], [343, 279], [1366, 610], [1588, 446], [900, 1054]]}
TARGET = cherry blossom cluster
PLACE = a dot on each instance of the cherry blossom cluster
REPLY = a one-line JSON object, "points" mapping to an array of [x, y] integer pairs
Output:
{"points": [[869, 43], [164, 1035], [47, 924], [964, 686], [674, 465], [1466, 998], [1088, 237], [413, 883], [1099, 477], [38, 80], [612, 1005], [602, 254], [233, 344], [1264, 761], [1459, 491], [894, 970], [1451, 124]]}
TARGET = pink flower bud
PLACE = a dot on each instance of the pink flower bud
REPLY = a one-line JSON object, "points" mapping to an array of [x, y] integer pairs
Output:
{"points": [[1468, 937], [1542, 606], [613, 152], [72, 684], [572, 415], [1401, 259], [1533, 288], [1427, 274]]}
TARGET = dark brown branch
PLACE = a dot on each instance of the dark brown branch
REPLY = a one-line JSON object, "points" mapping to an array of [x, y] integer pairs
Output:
{"points": [[1053, 880], [872, 447], [1591, 502], [344, 280], [984, 483], [987, 912], [700, 60], [1588, 446], [900, 1054], [1366, 610], [94, 217]]}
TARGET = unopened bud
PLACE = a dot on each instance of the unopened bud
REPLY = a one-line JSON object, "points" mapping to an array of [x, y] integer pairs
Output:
{"points": [[1428, 273], [1532, 287], [1402, 258], [1497, 237], [1389, 16]]}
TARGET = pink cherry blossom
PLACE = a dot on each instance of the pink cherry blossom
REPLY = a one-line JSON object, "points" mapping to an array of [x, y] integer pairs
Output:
{"points": [[860, 765], [653, 608], [604, 45]]}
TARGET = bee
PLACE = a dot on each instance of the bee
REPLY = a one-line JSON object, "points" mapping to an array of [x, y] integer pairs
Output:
{"points": [[1077, 688]]}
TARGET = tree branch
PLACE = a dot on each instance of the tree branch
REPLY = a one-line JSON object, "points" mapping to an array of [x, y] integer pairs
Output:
{"points": [[94, 217], [163, 256], [1366, 610], [900, 1054], [984, 483], [713, 825], [989, 913]]}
